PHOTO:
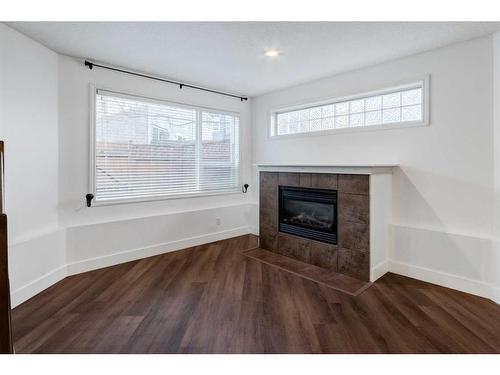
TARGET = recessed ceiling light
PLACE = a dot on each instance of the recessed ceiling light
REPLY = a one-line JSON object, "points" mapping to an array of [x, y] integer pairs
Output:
{"points": [[272, 53]]}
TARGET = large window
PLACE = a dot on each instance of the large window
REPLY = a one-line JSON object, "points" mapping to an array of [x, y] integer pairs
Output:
{"points": [[404, 105], [147, 149]]}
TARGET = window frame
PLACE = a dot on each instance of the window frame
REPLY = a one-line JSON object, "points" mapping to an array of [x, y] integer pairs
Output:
{"points": [[424, 83], [93, 90]]}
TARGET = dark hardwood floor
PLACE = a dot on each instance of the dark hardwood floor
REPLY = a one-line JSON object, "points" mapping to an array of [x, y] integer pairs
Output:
{"points": [[212, 299]]}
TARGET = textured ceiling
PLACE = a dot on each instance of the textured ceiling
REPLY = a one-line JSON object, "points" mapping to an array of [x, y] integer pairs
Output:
{"points": [[229, 55]]}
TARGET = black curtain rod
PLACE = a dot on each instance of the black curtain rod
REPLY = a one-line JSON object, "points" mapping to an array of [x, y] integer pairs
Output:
{"points": [[180, 84]]}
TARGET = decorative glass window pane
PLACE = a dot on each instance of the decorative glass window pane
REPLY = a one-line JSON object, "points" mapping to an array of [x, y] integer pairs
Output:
{"points": [[373, 118], [328, 110], [315, 125], [357, 119], [400, 105], [283, 128], [391, 115], [304, 126], [328, 123], [283, 118], [373, 104], [293, 127], [411, 97], [295, 116], [341, 121], [342, 108], [412, 113], [304, 115], [357, 106], [391, 100], [315, 113]]}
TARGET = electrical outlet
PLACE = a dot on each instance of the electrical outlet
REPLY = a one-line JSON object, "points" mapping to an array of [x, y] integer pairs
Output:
{"points": [[217, 221]]}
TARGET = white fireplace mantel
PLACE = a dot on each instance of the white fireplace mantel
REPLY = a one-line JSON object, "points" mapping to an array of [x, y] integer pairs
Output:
{"points": [[367, 169]]}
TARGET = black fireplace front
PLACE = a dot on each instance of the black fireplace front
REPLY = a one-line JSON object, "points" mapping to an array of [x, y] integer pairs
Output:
{"points": [[309, 213]]}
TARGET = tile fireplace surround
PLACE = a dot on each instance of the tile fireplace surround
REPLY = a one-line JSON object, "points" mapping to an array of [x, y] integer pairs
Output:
{"points": [[364, 209]]}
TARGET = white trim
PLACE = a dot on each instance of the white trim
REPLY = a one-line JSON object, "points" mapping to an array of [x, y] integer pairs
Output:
{"points": [[92, 124], [357, 129], [33, 236], [342, 169], [448, 280], [90, 264], [94, 90], [379, 270], [38, 285], [424, 83], [111, 202], [43, 282], [495, 295]]}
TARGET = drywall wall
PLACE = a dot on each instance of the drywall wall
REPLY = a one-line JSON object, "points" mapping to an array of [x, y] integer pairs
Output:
{"points": [[495, 261], [29, 127], [28, 101], [443, 189]]}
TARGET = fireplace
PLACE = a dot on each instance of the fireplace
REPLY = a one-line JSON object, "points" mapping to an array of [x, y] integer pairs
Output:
{"points": [[309, 213]]}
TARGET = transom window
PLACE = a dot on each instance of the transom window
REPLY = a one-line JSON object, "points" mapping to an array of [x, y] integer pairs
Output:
{"points": [[393, 106], [150, 149]]}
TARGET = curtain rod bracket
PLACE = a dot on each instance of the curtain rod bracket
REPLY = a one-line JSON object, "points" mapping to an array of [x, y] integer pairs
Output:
{"points": [[89, 64]]}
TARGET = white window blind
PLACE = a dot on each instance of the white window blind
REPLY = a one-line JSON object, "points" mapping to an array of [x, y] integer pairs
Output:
{"points": [[147, 148], [391, 106]]}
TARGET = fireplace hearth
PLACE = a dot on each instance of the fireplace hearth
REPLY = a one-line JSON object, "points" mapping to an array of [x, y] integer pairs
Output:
{"points": [[308, 213]]}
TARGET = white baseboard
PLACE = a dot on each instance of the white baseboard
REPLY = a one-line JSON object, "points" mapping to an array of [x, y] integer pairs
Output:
{"points": [[463, 284], [134, 254], [379, 270], [36, 286], [495, 295]]}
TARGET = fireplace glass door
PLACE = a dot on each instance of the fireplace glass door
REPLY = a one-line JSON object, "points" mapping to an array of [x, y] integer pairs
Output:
{"points": [[309, 213]]}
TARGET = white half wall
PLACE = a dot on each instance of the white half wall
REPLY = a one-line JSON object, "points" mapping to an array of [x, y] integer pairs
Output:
{"points": [[443, 200], [100, 245], [35, 264], [84, 248], [456, 261]]}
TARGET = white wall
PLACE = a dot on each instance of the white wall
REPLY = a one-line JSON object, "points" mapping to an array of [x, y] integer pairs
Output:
{"points": [[29, 127], [443, 192], [496, 139]]}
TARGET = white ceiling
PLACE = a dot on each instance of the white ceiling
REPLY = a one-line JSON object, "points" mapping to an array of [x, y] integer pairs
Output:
{"points": [[229, 55]]}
